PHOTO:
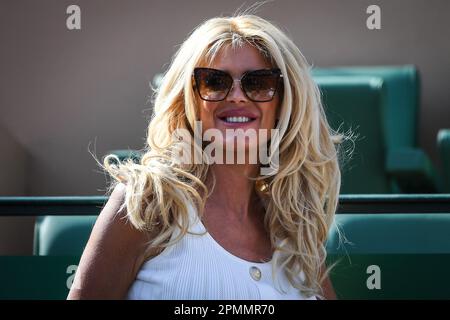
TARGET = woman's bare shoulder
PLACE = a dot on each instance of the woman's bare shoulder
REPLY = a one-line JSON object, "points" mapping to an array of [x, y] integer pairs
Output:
{"points": [[114, 219], [113, 255]]}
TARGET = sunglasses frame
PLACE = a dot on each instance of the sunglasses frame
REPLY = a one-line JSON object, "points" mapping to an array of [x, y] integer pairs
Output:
{"points": [[196, 79]]}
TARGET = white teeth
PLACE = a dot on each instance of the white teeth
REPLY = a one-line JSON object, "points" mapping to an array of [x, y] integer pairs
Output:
{"points": [[237, 119]]}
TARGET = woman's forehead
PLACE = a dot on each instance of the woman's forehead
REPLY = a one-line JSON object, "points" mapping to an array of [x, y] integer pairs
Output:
{"points": [[239, 59]]}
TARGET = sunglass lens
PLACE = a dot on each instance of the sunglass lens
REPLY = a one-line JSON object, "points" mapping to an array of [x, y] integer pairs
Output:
{"points": [[213, 85], [261, 85]]}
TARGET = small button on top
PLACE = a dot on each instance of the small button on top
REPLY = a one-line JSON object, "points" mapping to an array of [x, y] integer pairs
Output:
{"points": [[255, 273]]}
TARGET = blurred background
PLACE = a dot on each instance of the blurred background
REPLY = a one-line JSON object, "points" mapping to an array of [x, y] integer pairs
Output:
{"points": [[65, 92]]}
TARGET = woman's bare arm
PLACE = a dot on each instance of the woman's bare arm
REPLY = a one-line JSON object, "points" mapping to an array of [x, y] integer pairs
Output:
{"points": [[113, 254], [328, 290]]}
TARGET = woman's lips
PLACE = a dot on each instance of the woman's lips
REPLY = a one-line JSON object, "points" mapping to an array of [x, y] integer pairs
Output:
{"points": [[241, 112], [237, 122], [237, 118]]}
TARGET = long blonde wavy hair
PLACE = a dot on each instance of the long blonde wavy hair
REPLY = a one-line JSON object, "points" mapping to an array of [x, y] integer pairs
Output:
{"points": [[302, 195]]}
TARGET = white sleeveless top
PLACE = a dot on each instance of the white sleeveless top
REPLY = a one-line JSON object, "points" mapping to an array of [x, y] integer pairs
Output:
{"points": [[198, 268]]}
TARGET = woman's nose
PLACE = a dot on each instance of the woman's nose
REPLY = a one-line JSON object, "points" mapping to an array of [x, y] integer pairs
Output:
{"points": [[236, 93]]}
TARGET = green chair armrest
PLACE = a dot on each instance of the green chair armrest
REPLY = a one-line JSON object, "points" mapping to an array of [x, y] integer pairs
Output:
{"points": [[412, 170]]}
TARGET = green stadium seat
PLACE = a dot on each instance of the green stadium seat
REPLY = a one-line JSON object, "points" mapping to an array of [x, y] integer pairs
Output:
{"points": [[412, 252], [62, 235], [401, 105], [354, 103], [443, 142], [398, 110]]}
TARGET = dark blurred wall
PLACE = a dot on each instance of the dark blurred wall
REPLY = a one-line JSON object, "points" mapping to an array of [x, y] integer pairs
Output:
{"points": [[16, 233], [63, 91]]}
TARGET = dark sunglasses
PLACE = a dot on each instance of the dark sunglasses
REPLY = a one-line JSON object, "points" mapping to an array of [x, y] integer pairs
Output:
{"points": [[258, 85]]}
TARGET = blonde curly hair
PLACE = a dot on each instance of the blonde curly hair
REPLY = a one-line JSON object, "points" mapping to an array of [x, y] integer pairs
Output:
{"points": [[302, 195]]}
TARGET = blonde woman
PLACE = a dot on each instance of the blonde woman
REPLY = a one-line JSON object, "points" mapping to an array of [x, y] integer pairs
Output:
{"points": [[222, 229]]}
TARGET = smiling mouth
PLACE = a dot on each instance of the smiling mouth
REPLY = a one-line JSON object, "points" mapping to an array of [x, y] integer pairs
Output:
{"points": [[237, 119]]}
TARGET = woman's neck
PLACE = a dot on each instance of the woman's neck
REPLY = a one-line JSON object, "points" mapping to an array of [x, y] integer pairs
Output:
{"points": [[234, 192]]}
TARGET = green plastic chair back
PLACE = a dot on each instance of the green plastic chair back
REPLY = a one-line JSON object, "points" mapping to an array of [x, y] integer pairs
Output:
{"points": [[407, 167], [62, 235], [401, 106], [391, 256], [354, 103]]}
